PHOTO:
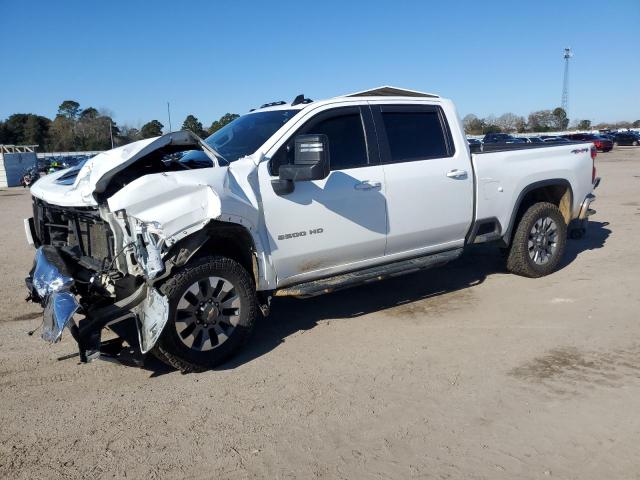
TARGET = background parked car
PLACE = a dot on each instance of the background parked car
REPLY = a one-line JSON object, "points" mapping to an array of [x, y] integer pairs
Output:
{"points": [[475, 145], [602, 144], [532, 139], [553, 138], [626, 138], [497, 138]]}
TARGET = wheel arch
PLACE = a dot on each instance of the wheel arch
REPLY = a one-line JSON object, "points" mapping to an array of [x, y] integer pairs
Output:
{"points": [[227, 239], [556, 190]]}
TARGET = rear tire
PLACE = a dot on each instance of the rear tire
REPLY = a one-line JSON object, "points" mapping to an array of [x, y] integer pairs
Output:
{"points": [[539, 241], [212, 311]]}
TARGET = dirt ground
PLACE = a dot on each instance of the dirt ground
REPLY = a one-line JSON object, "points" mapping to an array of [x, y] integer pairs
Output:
{"points": [[460, 372]]}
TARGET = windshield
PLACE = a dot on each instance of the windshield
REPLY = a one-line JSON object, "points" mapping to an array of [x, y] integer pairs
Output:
{"points": [[245, 134]]}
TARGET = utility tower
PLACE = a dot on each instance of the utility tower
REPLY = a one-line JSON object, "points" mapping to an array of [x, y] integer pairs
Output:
{"points": [[565, 83]]}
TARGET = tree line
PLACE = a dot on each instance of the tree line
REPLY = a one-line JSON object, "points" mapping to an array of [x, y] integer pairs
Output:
{"points": [[77, 129], [85, 129], [539, 121]]}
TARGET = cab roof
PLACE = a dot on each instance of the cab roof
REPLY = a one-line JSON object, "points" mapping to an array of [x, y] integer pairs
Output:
{"points": [[389, 91]]}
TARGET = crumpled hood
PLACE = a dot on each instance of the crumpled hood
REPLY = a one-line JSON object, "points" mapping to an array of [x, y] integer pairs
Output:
{"points": [[173, 204], [97, 172]]}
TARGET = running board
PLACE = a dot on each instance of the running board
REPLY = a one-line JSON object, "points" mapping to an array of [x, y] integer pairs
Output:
{"points": [[372, 274]]}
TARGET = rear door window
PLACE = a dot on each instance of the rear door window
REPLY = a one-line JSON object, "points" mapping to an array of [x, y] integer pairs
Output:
{"points": [[415, 133]]}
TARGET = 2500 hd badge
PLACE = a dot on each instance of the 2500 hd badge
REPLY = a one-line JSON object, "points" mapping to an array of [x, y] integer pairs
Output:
{"points": [[313, 231]]}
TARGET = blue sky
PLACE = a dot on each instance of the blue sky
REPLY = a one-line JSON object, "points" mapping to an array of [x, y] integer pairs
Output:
{"points": [[208, 58]]}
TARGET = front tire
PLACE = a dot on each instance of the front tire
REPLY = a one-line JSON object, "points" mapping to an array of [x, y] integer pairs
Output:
{"points": [[539, 241], [212, 311]]}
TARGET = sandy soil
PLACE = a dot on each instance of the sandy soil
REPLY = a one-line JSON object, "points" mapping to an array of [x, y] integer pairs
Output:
{"points": [[461, 372]]}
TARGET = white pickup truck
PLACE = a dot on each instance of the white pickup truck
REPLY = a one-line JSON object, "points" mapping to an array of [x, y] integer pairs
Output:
{"points": [[178, 244]]}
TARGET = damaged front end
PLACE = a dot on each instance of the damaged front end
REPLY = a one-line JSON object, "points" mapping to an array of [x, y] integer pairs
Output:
{"points": [[98, 262], [133, 309]]}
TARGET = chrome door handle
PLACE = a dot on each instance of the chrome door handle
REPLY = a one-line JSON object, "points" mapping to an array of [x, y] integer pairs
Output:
{"points": [[457, 173], [367, 185]]}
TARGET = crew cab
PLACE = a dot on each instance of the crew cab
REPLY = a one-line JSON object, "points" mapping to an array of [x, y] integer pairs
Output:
{"points": [[178, 244]]}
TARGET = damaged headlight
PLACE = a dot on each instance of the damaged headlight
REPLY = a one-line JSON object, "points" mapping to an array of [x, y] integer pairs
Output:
{"points": [[47, 277], [53, 288]]}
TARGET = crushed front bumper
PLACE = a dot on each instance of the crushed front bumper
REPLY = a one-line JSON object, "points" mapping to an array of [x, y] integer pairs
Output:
{"points": [[138, 318]]}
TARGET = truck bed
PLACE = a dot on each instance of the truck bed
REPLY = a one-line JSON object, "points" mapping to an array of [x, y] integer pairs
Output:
{"points": [[504, 172], [503, 147]]}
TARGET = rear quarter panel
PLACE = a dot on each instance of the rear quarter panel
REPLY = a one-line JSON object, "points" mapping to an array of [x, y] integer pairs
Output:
{"points": [[502, 176]]}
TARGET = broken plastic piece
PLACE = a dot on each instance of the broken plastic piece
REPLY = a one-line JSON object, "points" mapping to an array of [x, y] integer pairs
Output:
{"points": [[152, 235], [58, 312], [152, 316]]}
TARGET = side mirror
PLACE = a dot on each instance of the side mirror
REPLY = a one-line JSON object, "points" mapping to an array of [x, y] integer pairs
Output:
{"points": [[311, 162]]}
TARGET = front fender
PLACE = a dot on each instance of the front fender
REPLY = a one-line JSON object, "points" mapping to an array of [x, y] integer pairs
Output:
{"points": [[177, 205]]}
